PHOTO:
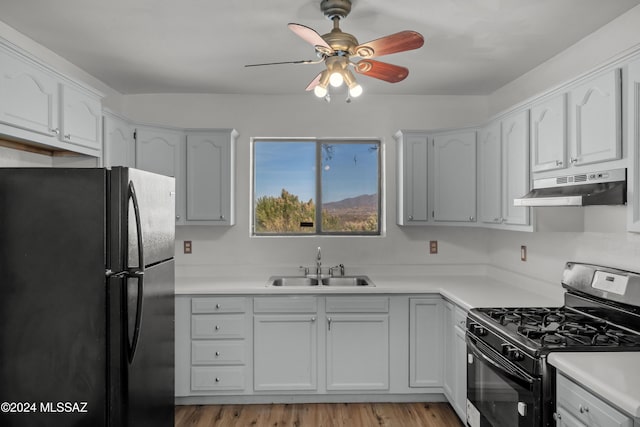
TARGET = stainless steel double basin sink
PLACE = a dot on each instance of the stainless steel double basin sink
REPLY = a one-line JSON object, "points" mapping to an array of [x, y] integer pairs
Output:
{"points": [[304, 281]]}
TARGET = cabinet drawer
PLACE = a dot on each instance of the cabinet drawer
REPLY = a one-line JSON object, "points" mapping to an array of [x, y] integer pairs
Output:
{"points": [[460, 318], [218, 352], [211, 378], [212, 326], [586, 407], [297, 304], [357, 305], [218, 305]]}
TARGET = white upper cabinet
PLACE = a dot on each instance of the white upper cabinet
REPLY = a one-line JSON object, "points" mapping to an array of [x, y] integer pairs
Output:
{"points": [[412, 151], [81, 121], [515, 167], [210, 176], [39, 105], [453, 177], [633, 136], [28, 96], [595, 112], [161, 151], [119, 143], [490, 173], [549, 134]]}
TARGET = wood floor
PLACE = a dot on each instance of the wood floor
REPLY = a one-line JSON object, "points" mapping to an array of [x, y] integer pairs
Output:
{"points": [[319, 415]]}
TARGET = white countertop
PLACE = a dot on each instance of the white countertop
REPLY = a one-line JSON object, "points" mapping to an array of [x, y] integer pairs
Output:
{"points": [[466, 291], [613, 376]]}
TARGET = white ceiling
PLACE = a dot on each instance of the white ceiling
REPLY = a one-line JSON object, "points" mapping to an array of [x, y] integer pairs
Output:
{"points": [[201, 46]]}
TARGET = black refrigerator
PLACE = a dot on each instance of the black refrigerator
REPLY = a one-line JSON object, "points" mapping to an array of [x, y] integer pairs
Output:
{"points": [[86, 298]]}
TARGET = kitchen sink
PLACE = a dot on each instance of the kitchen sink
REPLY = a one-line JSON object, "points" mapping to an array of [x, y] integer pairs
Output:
{"points": [[304, 281]]}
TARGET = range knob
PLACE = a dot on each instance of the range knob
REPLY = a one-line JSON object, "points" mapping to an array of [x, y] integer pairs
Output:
{"points": [[477, 330], [512, 352]]}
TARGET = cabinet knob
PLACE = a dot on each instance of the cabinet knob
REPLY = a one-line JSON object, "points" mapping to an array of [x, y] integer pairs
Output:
{"points": [[558, 162], [177, 216], [222, 217], [471, 218], [217, 327], [573, 160], [67, 136], [218, 306], [313, 319], [217, 379], [55, 131], [410, 217], [217, 353], [583, 409], [557, 416]]}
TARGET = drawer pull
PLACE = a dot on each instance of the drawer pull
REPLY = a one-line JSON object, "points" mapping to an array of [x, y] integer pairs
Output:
{"points": [[217, 327], [217, 353], [218, 306], [583, 409], [217, 379]]}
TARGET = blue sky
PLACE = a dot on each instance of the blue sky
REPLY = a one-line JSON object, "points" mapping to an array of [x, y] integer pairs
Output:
{"points": [[351, 171]]}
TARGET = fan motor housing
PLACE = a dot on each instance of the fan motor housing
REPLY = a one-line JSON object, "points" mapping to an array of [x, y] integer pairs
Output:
{"points": [[335, 8]]}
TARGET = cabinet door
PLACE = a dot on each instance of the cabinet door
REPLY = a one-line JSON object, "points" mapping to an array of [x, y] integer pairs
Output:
{"points": [[362, 363], [161, 151], [490, 174], [596, 126], [28, 96], [425, 342], [119, 144], [285, 352], [633, 136], [81, 118], [549, 134], [209, 177], [515, 167], [412, 180], [454, 177]]}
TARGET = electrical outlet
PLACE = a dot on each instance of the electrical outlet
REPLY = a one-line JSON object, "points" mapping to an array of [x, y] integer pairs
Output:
{"points": [[187, 246], [433, 247], [523, 253]]}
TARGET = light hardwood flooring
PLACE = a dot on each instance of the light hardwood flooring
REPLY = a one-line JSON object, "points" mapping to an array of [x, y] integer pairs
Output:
{"points": [[319, 415]]}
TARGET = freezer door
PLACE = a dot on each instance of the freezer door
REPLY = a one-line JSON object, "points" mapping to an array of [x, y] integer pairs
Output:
{"points": [[152, 197]]}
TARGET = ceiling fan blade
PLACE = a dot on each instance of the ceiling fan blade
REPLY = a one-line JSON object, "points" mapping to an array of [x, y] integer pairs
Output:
{"points": [[314, 82], [305, 61], [309, 35], [381, 70], [398, 42]]}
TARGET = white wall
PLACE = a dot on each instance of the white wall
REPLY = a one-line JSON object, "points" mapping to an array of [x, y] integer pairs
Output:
{"points": [[232, 249]]}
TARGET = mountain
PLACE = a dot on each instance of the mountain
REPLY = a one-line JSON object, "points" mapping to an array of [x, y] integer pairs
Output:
{"points": [[365, 201]]}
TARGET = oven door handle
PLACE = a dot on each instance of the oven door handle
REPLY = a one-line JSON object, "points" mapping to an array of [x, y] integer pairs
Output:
{"points": [[515, 373]]}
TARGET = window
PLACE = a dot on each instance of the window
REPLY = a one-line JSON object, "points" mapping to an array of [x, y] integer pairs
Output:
{"points": [[305, 187]]}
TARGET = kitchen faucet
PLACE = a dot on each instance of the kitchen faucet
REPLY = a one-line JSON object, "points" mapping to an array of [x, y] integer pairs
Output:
{"points": [[319, 263]]}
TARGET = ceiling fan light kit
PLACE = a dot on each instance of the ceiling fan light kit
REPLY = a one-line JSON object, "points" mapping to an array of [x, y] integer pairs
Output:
{"points": [[336, 49]]}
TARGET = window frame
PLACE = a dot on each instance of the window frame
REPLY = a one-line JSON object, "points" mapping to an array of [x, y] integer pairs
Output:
{"points": [[318, 185]]}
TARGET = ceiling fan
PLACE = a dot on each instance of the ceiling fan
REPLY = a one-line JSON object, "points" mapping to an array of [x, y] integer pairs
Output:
{"points": [[337, 48]]}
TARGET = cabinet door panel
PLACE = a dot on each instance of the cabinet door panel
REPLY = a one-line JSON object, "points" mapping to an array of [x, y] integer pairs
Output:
{"points": [[28, 97], [208, 176], [425, 342], [596, 120], [549, 134], [490, 174], [415, 178], [81, 118], [119, 145], [515, 166], [285, 352], [454, 177], [362, 363]]}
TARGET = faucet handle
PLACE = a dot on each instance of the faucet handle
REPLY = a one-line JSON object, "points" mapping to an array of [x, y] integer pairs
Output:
{"points": [[306, 270]]}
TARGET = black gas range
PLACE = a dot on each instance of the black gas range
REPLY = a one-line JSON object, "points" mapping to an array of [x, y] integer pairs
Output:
{"points": [[509, 382]]}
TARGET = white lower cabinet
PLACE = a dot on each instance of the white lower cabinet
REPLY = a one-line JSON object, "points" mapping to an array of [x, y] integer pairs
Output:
{"points": [[455, 358], [357, 349], [285, 343], [425, 342], [308, 348], [577, 407]]}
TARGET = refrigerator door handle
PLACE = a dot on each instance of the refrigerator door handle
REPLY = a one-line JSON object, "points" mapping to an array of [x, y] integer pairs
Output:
{"points": [[137, 273]]}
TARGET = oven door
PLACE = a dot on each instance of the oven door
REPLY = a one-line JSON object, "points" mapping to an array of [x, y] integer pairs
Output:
{"points": [[499, 394]]}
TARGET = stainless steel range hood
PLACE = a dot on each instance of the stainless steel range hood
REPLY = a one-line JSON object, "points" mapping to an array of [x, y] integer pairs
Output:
{"points": [[607, 187]]}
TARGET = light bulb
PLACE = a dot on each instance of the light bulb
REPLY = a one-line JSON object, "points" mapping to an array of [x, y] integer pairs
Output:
{"points": [[336, 79], [320, 91], [355, 91]]}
